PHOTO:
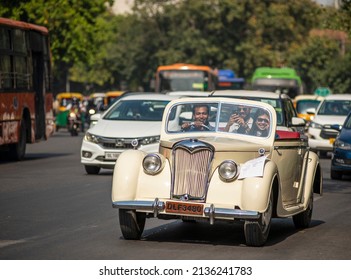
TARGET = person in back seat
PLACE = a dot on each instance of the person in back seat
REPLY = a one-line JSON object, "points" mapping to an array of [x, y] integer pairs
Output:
{"points": [[240, 121], [261, 124]]}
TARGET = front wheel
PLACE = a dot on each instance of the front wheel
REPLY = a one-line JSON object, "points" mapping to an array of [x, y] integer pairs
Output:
{"points": [[92, 170], [132, 223], [256, 233]]}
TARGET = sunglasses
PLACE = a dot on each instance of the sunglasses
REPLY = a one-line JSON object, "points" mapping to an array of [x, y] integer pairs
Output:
{"points": [[262, 120]]}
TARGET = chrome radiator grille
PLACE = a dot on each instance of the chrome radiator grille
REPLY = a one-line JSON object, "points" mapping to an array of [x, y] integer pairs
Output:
{"points": [[190, 172]]}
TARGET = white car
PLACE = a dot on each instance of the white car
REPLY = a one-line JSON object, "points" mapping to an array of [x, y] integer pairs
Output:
{"points": [[133, 122], [332, 111]]}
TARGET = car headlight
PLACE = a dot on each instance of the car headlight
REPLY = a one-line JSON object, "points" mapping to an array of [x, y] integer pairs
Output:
{"points": [[91, 138], [228, 170], [315, 125], [153, 163], [342, 145], [149, 140]]}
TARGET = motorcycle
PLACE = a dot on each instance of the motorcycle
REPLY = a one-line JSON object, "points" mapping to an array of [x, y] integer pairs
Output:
{"points": [[74, 123]]}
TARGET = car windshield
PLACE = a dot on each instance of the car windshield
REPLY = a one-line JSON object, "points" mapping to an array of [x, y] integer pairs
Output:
{"points": [[141, 110], [220, 117], [347, 123], [303, 105], [335, 107], [276, 104]]}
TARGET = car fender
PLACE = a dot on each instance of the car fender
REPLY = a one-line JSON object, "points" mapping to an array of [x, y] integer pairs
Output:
{"points": [[126, 175], [256, 190], [313, 180], [247, 194], [131, 182]]}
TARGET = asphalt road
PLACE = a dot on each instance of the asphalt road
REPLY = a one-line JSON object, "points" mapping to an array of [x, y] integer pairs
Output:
{"points": [[50, 209]]}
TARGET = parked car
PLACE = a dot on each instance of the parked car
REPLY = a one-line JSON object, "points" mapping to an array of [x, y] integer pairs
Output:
{"points": [[331, 111], [287, 118], [133, 122], [304, 103], [341, 158], [204, 173]]}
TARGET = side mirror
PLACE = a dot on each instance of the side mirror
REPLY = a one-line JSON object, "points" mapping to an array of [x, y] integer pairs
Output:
{"points": [[94, 119], [337, 127], [311, 111], [295, 121]]}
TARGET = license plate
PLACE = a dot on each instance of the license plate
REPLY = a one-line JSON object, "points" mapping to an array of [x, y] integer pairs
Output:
{"points": [[184, 208], [331, 140], [112, 155]]}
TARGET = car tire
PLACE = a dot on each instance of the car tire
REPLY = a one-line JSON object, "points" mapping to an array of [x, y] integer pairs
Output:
{"points": [[335, 175], [132, 223], [92, 170], [256, 233], [18, 150], [303, 219]]}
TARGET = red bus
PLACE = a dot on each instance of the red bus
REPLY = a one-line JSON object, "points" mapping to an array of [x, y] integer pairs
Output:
{"points": [[26, 99], [185, 77]]}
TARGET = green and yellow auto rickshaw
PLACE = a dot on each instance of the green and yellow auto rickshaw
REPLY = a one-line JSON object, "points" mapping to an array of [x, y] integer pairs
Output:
{"points": [[63, 103]]}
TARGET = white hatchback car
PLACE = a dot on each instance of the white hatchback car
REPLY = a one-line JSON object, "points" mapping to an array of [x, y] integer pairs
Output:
{"points": [[332, 111], [133, 122]]}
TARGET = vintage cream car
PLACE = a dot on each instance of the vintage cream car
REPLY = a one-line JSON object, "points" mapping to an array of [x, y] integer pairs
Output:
{"points": [[204, 172]]}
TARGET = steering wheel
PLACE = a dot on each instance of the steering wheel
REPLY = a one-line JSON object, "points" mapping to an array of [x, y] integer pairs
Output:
{"points": [[193, 127]]}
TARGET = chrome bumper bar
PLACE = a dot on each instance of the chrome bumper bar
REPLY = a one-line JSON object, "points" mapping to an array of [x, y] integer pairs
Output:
{"points": [[210, 212]]}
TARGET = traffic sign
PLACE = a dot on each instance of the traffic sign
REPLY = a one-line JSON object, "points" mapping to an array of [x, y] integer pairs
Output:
{"points": [[322, 91]]}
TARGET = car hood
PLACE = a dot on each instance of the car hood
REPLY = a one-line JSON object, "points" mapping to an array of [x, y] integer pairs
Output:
{"points": [[126, 129], [329, 119]]}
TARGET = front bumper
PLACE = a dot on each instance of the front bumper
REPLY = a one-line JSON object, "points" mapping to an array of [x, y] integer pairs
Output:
{"points": [[210, 212], [341, 160], [98, 154]]}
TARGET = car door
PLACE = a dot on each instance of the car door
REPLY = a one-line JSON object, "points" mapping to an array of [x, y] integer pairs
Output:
{"points": [[289, 153]]}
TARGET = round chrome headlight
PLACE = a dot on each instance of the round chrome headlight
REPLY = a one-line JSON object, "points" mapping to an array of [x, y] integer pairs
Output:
{"points": [[152, 164], [228, 170]]}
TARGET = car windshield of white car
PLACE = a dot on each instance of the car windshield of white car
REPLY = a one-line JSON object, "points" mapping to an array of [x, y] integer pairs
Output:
{"points": [[302, 106], [219, 117], [335, 107], [140, 110]]}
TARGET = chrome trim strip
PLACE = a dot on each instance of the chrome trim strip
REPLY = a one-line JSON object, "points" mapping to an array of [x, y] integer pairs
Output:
{"points": [[230, 213]]}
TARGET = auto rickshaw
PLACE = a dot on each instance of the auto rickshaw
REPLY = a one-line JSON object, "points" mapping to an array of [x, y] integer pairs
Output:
{"points": [[111, 97], [63, 103]]}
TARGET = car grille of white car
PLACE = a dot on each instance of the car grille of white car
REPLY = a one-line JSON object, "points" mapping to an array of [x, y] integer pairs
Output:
{"points": [[116, 143], [191, 169]]}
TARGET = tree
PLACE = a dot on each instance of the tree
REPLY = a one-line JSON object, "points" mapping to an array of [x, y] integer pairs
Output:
{"points": [[72, 27]]}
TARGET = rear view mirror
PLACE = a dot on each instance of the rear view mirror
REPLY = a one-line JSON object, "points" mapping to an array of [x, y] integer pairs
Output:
{"points": [[185, 117]]}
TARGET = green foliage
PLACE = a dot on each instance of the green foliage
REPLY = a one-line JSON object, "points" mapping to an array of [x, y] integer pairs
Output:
{"points": [[103, 50], [312, 60]]}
